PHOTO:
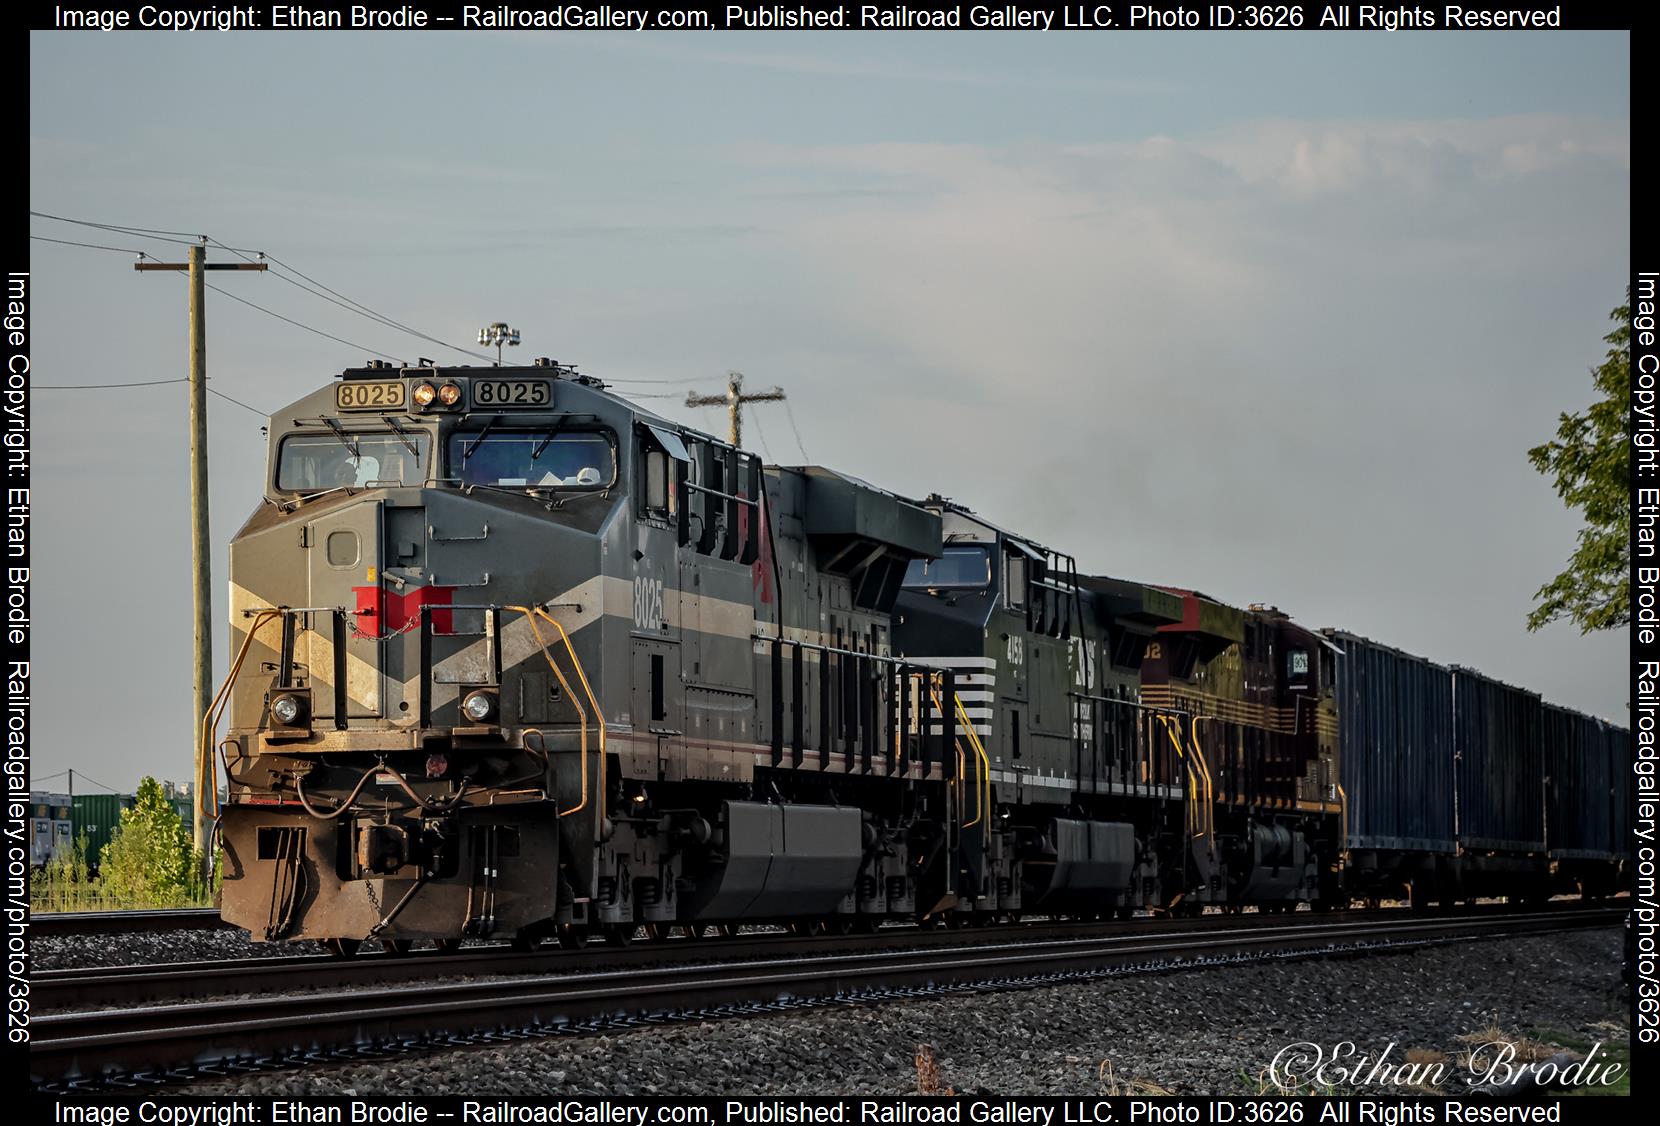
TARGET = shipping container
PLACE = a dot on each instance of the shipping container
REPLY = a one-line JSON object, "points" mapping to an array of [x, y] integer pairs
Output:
{"points": [[1579, 788], [1394, 715], [49, 827], [1498, 737], [98, 815], [185, 807]]}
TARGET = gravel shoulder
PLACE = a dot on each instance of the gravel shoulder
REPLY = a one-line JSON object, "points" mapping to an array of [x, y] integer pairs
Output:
{"points": [[1191, 1032]]}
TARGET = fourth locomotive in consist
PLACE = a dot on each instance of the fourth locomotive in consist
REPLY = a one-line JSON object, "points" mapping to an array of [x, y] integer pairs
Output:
{"points": [[513, 657]]}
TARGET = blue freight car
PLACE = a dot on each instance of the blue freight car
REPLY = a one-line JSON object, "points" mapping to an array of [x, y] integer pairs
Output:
{"points": [[1395, 718], [1498, 737]]}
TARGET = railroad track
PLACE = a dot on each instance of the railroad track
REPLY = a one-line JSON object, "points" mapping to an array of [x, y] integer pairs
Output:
{"points": [[125, 922], [164, 1043], [107, 986]]}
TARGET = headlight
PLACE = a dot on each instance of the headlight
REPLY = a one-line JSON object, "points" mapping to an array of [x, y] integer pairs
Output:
{"points": [[287, 710], [423, 394], [480, 707], [449, 394]]}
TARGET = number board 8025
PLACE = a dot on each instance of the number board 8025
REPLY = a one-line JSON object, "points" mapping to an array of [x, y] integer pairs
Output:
{"points": [[511, 393], [376, 396]]}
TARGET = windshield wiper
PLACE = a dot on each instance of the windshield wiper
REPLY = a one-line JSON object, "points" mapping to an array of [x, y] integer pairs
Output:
{"points": [[470, 448], [351, 446], [552, 432], [403, 435]]}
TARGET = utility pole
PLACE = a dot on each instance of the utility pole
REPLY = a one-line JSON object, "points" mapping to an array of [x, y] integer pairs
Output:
{"points": [[733, 401], [200, 553]]}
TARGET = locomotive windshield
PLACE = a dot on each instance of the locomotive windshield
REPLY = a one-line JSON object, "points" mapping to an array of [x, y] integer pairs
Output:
{"points": [[344, 459], [964, 568], [524, 459]]}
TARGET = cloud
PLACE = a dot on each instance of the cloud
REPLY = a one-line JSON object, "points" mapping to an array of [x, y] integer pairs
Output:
{"points": [[1296, 362]]}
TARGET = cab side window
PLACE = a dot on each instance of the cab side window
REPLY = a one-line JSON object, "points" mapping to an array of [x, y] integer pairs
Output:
{"points": [[660, 453], [1014, 581], [654, 489]]}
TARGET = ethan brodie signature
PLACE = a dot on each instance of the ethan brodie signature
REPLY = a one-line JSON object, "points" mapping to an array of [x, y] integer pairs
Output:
{"points": [[1496, 1063]]}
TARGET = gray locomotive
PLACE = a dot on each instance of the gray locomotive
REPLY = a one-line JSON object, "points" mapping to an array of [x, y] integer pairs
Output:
{"points": [[515, 657]]}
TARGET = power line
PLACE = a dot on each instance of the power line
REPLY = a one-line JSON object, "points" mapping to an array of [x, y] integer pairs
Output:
{"points": [[100, 785], [691, 379], [88, 245], [115, 226], [372, 313], [346, 303], [101, 386], [790, 414], [136, 232], [308, 328], [761, 434], [240, 403], [332, 296]]}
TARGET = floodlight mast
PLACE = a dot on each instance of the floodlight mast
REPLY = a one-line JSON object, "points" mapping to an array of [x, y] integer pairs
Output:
{"points": [[498, 334]]}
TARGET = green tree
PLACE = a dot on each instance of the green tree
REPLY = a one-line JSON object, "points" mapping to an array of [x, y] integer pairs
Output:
{"points": [[147, 861], [1590, 460]]}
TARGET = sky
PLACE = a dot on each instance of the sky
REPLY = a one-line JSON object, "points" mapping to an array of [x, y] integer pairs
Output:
{"points": [[1276, 317]]}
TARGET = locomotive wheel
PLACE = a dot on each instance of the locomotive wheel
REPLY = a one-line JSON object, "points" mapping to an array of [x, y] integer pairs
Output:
{"points": [[526, 943], [658, 932], [844, 924], [397, 947], [448, 945], [570, 938], [619, 934], [1125, 912], [341, 947], [809, 928]]}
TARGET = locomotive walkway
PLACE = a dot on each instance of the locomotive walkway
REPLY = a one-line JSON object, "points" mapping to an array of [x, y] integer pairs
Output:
{"points": [[358, 1009]]}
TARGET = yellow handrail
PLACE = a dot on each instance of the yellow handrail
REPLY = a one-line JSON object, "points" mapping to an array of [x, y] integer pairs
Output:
{"points": [[599, 715], [974, 741], [1201, 810], [981, 799], [1204, 765], [1343, 815], [581, 713], [221, 699]]}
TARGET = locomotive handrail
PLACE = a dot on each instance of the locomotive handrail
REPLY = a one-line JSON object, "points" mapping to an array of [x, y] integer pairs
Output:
{"points": [[982, 792], [599, 714], [1199, 803], [1199, 756], [707, 491], [210, 719], [980, 750], [581, 713]]}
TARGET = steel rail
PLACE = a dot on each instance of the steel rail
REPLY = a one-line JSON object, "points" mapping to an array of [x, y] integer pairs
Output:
{"points": [[125, 922], [277, 1031], [106, 986]]}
